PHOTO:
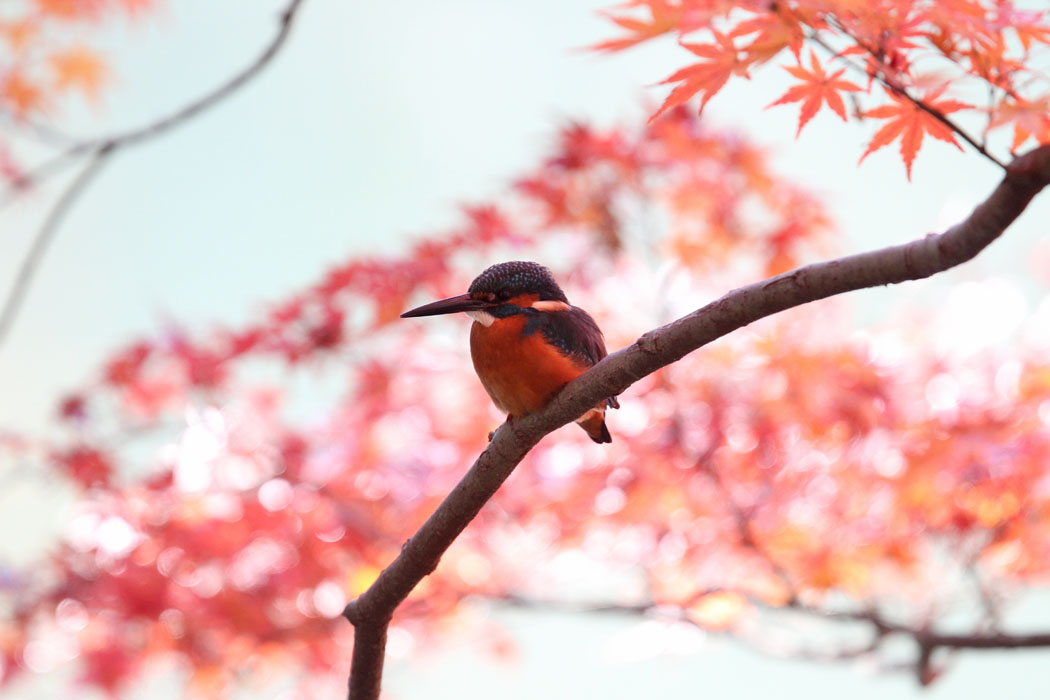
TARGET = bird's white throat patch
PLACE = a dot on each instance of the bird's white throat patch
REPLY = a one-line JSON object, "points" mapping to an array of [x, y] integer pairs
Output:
{"points": [[483, 317], [486, 319]]}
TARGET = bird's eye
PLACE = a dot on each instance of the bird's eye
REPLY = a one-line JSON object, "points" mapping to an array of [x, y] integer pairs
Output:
{"points": [[504, 294]]}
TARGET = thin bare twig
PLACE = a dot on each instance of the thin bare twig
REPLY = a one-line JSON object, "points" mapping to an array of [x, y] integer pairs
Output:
{"points": [[179, 116], [371, 612], [46, 170], [99, 150], [35, 130], [43, 239]]}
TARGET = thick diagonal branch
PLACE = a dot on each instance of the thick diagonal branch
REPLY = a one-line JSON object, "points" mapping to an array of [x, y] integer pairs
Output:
{"points": [[372, 611]]}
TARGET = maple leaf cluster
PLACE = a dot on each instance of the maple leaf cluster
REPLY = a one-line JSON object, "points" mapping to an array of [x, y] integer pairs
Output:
{"points": [[920, 63], [240, 485], [46, 57]]}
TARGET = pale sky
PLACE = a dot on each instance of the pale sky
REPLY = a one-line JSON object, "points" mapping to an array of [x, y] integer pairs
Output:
{"points": [[373, 124]]}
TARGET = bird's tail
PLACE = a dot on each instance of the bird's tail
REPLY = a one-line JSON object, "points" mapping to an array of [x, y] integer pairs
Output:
{"points": [[593, 423]]}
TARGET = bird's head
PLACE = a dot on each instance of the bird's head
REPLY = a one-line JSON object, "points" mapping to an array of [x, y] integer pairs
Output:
{"points": [[499, 291]]}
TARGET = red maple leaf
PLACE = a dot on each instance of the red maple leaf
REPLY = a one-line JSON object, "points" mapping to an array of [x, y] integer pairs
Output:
{"points": [[1030, 118], [10, 170], [86, 465], [816, 88], [1030, 25], [664, 16], [707, 77], [911, 121]]}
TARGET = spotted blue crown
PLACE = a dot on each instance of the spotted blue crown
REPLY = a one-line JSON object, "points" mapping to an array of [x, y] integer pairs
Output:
{"points": [[509, 279]]}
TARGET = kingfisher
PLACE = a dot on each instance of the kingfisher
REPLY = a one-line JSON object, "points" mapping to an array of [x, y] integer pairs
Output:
{"points": [[527, 341]]}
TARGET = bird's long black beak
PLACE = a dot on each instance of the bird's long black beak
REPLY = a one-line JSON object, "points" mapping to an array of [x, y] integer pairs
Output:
{"points": [[463, 302]]}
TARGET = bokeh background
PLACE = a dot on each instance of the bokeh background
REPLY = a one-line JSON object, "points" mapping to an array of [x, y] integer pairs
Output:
{"points": [[373, 125]]}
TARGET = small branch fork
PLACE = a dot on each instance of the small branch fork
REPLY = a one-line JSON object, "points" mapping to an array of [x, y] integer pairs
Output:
{"points": [[371, 613], [98, 151]]}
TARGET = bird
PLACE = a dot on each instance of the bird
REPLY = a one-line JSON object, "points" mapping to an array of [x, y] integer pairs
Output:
{"points": [[527, 341]]}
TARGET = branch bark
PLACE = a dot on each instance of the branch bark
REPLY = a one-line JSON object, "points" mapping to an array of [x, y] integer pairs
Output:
{"points": [[370, 613]]}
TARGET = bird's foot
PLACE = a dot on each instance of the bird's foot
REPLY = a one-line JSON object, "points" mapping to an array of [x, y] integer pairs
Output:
{"points": [[492, 434]]}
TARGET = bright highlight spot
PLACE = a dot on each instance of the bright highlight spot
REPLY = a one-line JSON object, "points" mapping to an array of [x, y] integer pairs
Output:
{"points": [[276, 494], [116, 536], [562, 460], [329, 599], [942, 393], [979, 315], [653, 638], [399, 642], [203, 440], [610, 500], [718, 611], [71, 615]]}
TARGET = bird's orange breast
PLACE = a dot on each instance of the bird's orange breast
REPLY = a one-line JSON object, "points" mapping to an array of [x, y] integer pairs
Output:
{"points": [[520, 372]]}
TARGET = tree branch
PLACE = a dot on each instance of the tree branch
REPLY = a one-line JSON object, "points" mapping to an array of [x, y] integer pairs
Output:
{"points": [[149, 131], [43, 239], [926, 641], [98, 150], [371, 612]]}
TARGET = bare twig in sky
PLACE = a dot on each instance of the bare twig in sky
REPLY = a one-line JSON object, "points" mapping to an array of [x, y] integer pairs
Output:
{"points": [[97, 151], [45, 235]]}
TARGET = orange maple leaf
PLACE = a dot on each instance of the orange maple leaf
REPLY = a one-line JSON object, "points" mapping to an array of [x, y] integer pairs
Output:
{"points": [[18, 34], [910, 122], [705, 78], [816, 88], [79, 68], [664, 16], [69, 9], [23, 95], [773, 32]]}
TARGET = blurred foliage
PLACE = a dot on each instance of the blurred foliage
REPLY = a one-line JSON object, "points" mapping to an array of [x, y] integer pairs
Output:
{"points": [[240, 484]]}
